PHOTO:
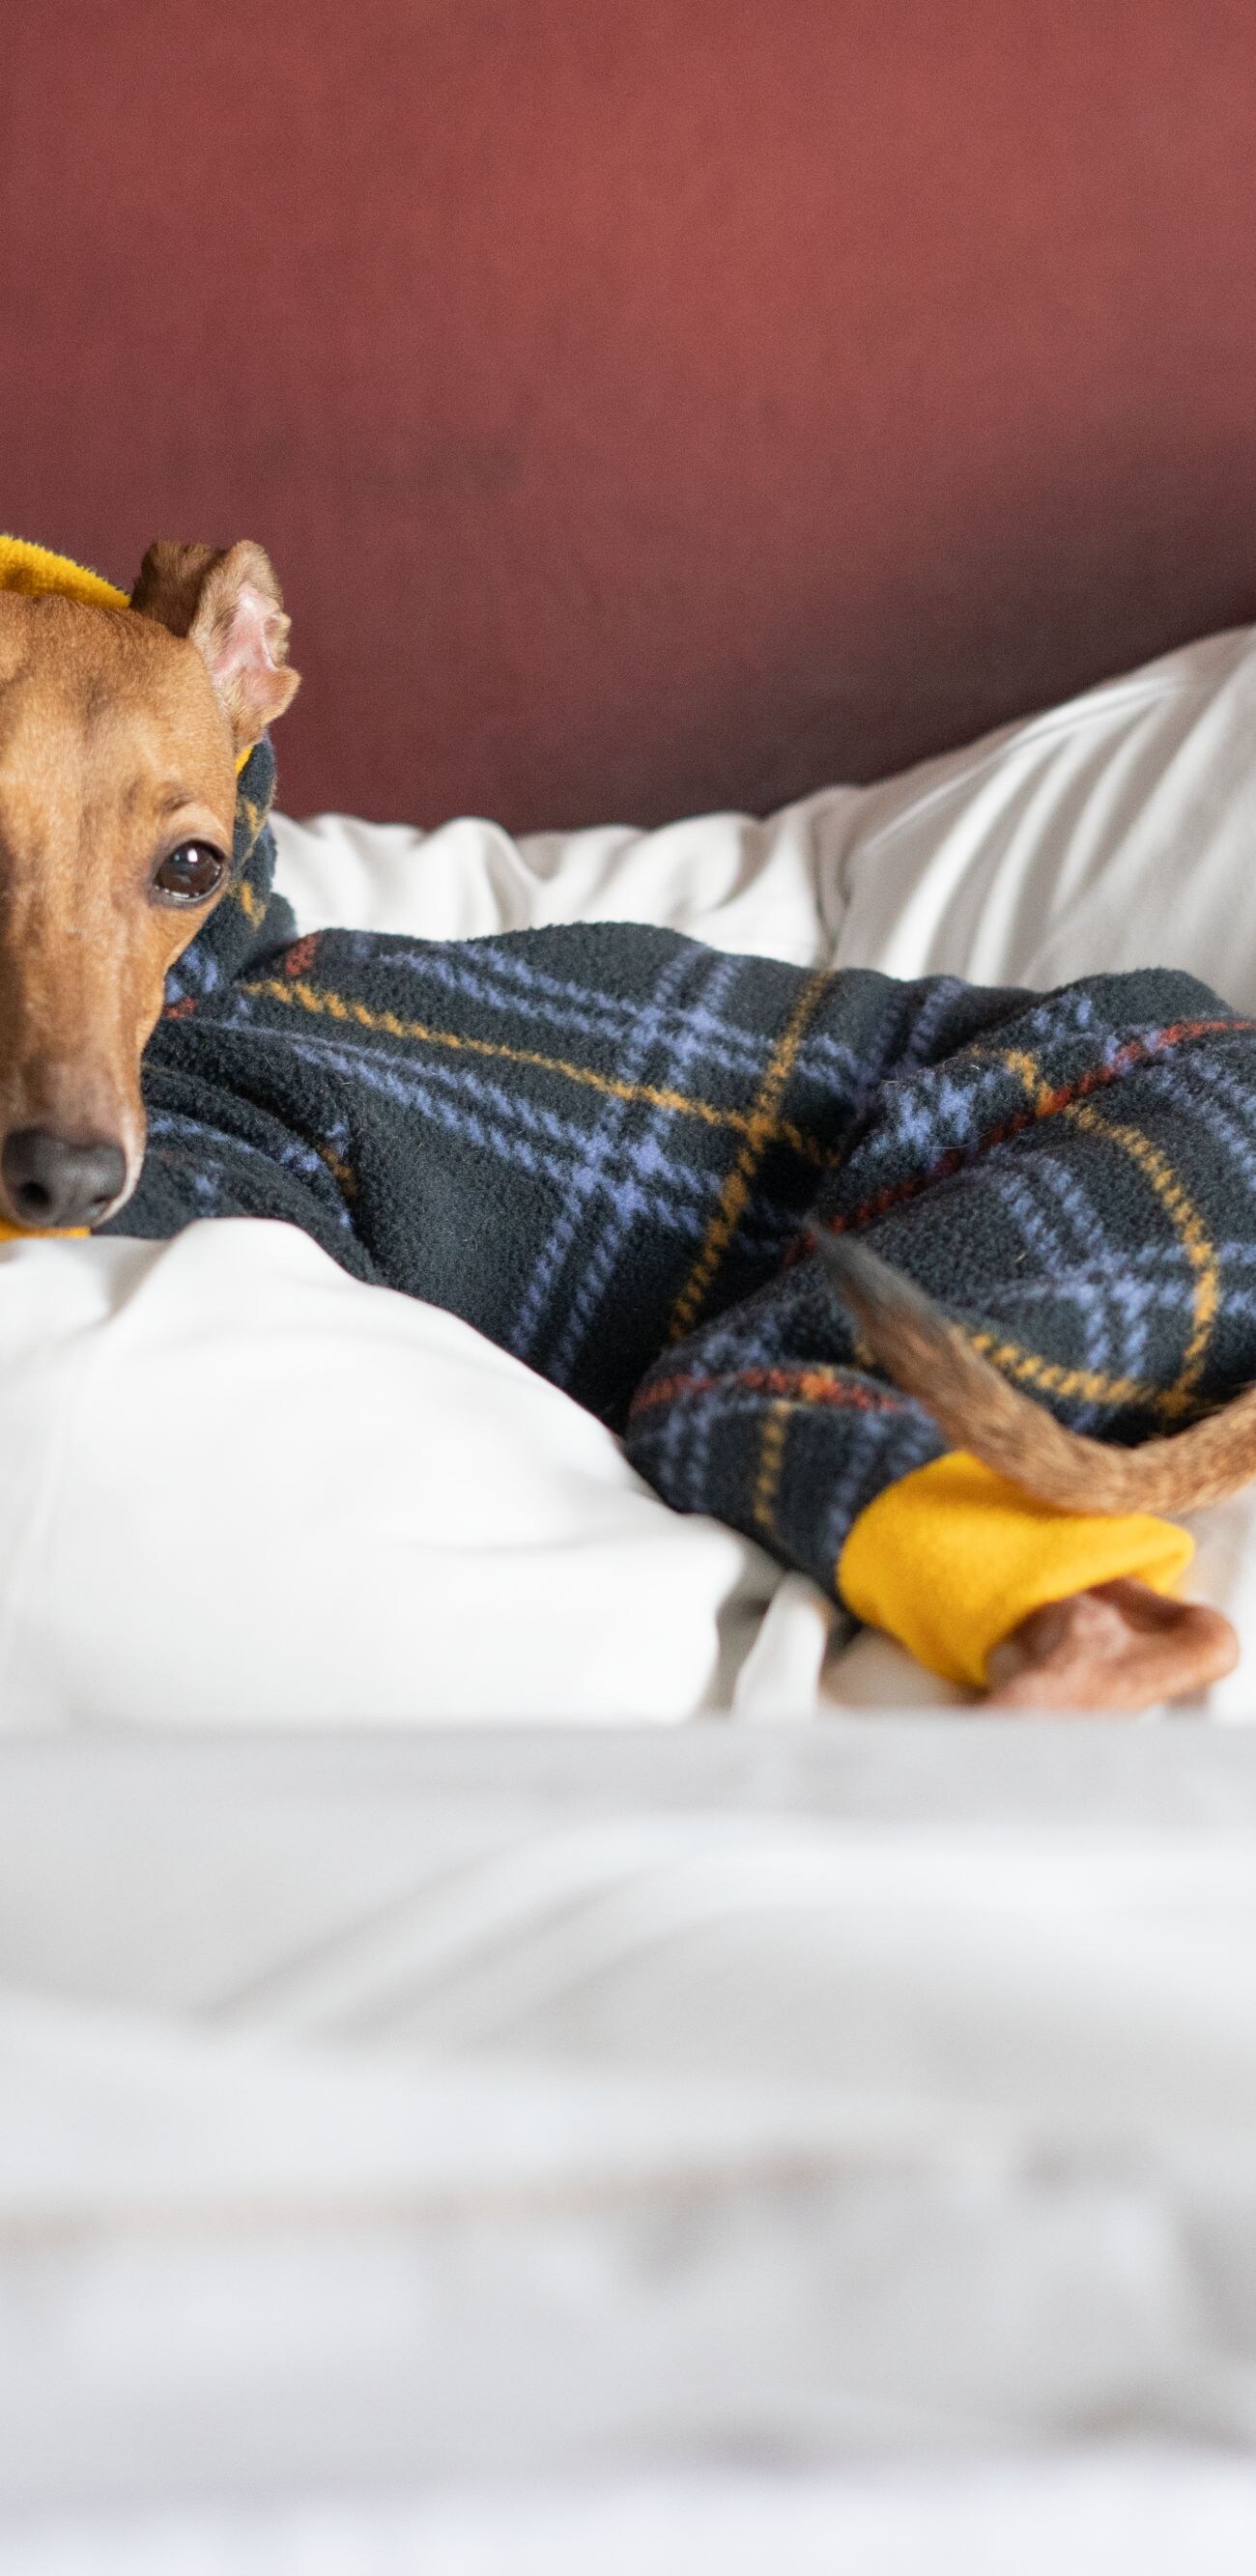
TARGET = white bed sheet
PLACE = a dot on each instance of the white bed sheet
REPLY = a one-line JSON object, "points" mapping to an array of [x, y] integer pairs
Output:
{"points": [[1124, 2510], [851, 2125]]}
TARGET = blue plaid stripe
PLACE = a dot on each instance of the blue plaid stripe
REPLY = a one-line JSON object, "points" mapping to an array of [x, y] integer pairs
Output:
{"points": [[688, 1055], [601, 1156]]}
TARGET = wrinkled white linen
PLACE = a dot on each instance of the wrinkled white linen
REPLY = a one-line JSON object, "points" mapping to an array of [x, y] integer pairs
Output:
{"points": [[379, 2111], [1149, 2509], [241, 1488], [770, 888]]}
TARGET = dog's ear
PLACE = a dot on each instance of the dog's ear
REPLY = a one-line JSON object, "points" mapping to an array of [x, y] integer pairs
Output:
{"points": [[228, 603]]}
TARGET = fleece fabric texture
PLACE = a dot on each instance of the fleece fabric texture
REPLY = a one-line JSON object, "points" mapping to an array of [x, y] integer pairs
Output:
{"points": [[602, 1145]]}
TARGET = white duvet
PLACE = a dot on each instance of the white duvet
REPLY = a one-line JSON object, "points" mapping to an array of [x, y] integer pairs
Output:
{"points": [[180, 1423], [846, 2130]]}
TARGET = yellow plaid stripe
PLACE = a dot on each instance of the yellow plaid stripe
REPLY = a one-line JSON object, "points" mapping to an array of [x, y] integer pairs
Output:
{"points": [[320, 1000], [761, 1129], [772, 1440], [1088, 1386], [1094, 1386], [251, 905]]}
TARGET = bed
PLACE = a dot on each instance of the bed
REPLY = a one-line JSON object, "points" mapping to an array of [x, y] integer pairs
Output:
{"points": [[494, 1555], [451, 2106], [561, 2088]]}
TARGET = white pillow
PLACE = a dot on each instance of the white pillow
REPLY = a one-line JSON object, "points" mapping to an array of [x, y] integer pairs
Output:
{"points": [[766, 888], [1118, 831]]}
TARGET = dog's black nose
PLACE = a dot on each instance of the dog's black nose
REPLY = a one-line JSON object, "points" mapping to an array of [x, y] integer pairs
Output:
{"points": [[51, 1182]]}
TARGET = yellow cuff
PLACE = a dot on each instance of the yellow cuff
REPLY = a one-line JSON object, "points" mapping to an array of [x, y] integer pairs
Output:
{"points": [[953, 1557]]}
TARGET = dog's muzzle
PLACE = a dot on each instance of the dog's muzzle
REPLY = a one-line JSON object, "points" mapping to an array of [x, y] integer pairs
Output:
{"points": [[54, 1181]]}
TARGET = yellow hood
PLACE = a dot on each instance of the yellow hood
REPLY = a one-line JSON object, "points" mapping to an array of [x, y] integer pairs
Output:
{"points": [[35, 571]]}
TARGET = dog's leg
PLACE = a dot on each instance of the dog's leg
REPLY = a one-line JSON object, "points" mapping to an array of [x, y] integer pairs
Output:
{"points": [[1119, 1648]]}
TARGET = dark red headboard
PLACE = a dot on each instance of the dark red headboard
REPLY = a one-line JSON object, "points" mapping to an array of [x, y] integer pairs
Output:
{"points": [[648, 403]]}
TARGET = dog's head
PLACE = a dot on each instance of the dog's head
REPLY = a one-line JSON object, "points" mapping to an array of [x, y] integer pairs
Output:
{"points": [[122, 729]]}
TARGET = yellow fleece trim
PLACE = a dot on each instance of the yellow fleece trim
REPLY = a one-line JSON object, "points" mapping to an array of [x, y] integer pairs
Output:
{"points": [[36, 572], [42, 1233], [953, 1557]]}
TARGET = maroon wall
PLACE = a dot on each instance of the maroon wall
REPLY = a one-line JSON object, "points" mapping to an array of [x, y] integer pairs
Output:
{"points": [[648, 403]]}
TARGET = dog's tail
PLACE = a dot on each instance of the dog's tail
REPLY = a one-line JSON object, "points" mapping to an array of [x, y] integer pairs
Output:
{"points": [[931, 1359]]}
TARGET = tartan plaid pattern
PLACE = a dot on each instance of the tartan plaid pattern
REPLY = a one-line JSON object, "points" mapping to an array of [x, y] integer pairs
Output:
{"points": [[602, 1145]]}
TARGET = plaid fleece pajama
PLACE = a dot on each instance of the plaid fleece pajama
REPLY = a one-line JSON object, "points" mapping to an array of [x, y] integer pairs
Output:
{"points": [[602, 1146]]}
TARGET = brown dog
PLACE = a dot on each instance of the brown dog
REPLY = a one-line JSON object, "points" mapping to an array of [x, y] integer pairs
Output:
{"points": [[122, 729], [120, 737]]}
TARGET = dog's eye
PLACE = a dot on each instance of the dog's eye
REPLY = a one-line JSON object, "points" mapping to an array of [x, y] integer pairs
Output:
{"points": [[191, 873]]}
